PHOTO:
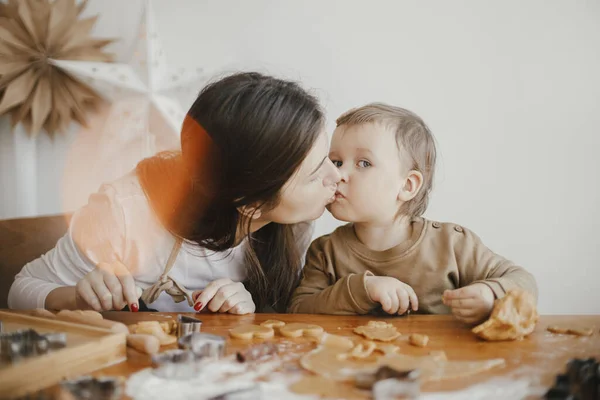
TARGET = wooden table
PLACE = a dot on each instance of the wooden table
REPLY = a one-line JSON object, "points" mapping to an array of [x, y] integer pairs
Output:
{"points": [[538, 357]]}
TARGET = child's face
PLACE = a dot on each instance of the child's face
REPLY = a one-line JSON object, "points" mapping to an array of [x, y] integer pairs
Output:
{"points": [[372, 173]]}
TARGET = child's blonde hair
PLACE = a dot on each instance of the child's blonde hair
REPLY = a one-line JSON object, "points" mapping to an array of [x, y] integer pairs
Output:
{"points": [[412, 136]]}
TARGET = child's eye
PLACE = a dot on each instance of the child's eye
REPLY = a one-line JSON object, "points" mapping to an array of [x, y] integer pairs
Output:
{"points": [[338, 164], [364, 164]]}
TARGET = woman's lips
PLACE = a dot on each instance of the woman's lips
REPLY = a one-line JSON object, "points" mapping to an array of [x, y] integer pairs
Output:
{"points": [[338, 196]]}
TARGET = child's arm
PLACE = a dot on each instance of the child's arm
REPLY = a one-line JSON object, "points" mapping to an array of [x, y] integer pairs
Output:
{"points": [[323, 292], [483, 276]]}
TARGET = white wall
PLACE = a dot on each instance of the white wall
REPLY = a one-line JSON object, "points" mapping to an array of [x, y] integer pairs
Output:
{"points": [[510, 89]]}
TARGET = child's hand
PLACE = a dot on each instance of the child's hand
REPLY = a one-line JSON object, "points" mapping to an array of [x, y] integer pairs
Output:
{"points": [[470, 304], [394, 296]]}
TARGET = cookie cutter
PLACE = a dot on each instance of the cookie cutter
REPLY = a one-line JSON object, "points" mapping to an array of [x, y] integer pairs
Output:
{"points": [[389, 383], [580, 381], [27, 343], [187, 325], [176, 364], [90, 388], [203, 345]]}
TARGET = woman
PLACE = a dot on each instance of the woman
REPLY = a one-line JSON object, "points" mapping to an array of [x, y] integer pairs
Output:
{"points": [[219, 224]]}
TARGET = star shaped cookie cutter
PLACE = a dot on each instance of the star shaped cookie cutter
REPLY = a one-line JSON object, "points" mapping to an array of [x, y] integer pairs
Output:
{"points": [[203, 345], [28, 343], [196, 351], [90, 388]]}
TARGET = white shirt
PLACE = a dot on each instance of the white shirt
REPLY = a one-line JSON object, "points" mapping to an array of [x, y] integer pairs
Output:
{"points": [[118, 224]]}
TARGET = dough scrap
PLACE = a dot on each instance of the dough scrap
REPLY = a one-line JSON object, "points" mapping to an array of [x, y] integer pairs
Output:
{"points": [[378, 330], [295, 330], [153, 328], [168, 327], [247, 332], [514, 317], [324, 361], [273, 323], [571, 331], [416, 339]]}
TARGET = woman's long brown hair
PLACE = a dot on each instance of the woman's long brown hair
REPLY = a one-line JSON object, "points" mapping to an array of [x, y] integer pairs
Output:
{"points": [[242, 140]]}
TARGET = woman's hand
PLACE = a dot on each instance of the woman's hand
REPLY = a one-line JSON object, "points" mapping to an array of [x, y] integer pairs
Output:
{"points": [[224, 296], [109, 286]]}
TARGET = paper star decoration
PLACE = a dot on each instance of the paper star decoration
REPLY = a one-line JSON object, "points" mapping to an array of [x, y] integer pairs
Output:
{"points": [[33, 88], [148, 98]]}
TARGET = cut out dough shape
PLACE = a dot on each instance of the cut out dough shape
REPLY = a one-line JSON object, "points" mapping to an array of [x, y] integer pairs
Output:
{"points": [[324, 361], [247, 332], [378, 330], [273, 323], [342, 342], [387, 348], [514, 317], [296, 330], [360, 351], [571, 331], [416, 339]]}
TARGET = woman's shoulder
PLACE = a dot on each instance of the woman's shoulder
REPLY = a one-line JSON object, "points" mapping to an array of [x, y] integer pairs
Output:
{"points": [[126, 187], [118, 203]]}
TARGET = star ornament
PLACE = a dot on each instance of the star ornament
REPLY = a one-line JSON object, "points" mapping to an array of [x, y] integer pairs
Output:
{"points": [[148, 97], [34, 90]]}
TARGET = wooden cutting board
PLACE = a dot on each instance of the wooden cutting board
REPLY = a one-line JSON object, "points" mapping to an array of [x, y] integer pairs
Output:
{"points": [[88, 349]]}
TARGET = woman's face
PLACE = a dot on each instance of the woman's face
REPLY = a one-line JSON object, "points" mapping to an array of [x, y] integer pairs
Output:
{"points": [[306, 194]]}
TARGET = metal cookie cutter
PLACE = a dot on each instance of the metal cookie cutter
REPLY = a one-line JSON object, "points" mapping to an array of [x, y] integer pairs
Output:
{"points": [[187, 325], [176, 364], [389, 383], [203, 345], [89, 388], [27, 343]]}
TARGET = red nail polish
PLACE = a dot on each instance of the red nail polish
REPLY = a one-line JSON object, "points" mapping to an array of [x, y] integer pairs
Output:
{"points": [[134, 307], [197, 306]]}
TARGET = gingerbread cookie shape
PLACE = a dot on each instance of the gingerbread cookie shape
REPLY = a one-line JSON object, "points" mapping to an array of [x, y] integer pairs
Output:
{"points": [[247, 332], [378, 330], [273, 323], [295, 330]]}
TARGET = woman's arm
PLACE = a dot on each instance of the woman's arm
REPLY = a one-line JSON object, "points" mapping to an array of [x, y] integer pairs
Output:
{"points": [[96, 234]]}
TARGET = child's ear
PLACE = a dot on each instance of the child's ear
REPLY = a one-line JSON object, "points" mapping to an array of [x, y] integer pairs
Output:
{"points": [[412, 185], [250, 211]]}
